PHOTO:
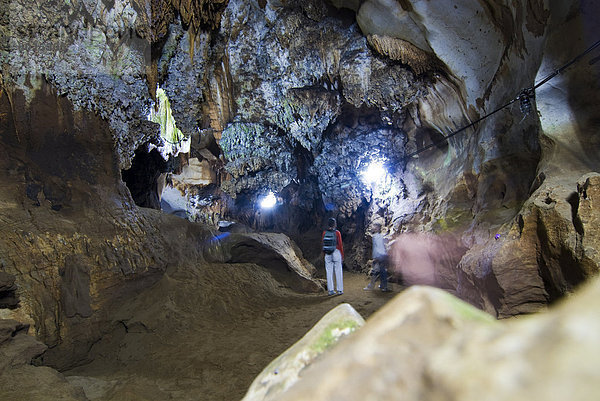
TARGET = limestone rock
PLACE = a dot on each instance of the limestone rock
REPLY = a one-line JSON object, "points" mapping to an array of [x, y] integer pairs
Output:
{"points": [[70, 234], [16, 346], [548, 356], [90, 53], [256, 158], [402, 50], [196, 172], [277, 253], [543, 255], [314, 65], [38, 384], [288, 368], [586, 219], [426, 344], [181, 71], [21, 381], [386, 358]]}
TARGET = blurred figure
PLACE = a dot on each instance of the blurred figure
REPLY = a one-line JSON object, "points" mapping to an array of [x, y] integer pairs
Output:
{"points": [[334, 255], [380, 260], [414, 258]]}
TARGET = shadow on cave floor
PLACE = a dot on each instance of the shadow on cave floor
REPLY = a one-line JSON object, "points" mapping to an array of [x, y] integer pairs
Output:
{"points": [[205, 332]]}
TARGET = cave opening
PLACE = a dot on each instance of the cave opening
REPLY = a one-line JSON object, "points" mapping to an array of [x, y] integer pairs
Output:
{"points": [[142, 177]]}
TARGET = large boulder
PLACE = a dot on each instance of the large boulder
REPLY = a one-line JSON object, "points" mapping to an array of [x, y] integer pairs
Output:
{"points": [[426, 344]]}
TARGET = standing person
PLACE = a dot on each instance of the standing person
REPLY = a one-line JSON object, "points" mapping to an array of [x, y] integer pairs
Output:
{"points": [[380, 259], [334, 255]]}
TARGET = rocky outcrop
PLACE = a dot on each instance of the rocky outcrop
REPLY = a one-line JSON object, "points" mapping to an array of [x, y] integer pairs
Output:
{"points": [[547, 252], [18, 379], [426, 344], [74, 240], [71, 234], [16, 346], [89, 52], [275, 252], [314, 67]]}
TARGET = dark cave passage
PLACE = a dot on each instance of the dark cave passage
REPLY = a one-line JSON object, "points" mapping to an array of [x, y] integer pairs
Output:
{"points": [[142, 177]]}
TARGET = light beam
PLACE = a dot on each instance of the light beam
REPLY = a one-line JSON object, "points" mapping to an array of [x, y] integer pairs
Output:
{"points": [[374, 173], [268, 201]]}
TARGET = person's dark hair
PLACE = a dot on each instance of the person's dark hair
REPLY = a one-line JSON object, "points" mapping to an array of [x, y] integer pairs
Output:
{"points": [[331, 223]]}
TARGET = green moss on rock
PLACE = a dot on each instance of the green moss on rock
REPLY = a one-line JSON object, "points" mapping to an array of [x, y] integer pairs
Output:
{"points": [[332, 334]]}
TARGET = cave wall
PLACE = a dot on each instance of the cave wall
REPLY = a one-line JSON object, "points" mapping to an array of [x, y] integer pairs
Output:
{"points": [[549, 248], [71, 233], [90, 52], [473, 193]]}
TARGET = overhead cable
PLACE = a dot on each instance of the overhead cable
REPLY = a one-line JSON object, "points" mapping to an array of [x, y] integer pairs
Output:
{"points": [[524, 97]]}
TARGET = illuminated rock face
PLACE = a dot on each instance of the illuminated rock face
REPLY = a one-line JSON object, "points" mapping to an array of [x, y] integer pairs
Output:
{"points": [[423, 72]]}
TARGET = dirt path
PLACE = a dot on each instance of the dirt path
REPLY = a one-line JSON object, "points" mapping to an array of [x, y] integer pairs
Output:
{"points": [[188, 339]]}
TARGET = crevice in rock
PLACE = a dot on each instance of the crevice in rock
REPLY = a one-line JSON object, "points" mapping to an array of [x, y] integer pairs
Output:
{"points": [[571, 270], [8, 291], [573, 200], [559, 268], [304, 160], [544, 261], [537, 182], [520, 224], [122, 323]]}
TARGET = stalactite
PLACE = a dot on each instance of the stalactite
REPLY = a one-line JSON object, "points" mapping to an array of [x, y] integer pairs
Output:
{"points": [[407, 53], [155, 16]]}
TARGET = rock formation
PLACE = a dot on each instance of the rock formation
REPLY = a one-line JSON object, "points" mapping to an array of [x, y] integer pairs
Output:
{"points": [[20, 380], [285, 371], [426, 344]]}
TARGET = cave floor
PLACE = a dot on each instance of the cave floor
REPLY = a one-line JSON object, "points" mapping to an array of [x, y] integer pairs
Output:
{"points": [[180, 341]]}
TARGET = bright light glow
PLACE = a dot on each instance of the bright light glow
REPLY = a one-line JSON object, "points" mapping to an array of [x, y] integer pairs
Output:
{"points": [[374, 173], [268, 201]]}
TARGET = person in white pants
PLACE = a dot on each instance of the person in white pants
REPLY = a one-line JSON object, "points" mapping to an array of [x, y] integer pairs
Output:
{"points": [[333, 261]]}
